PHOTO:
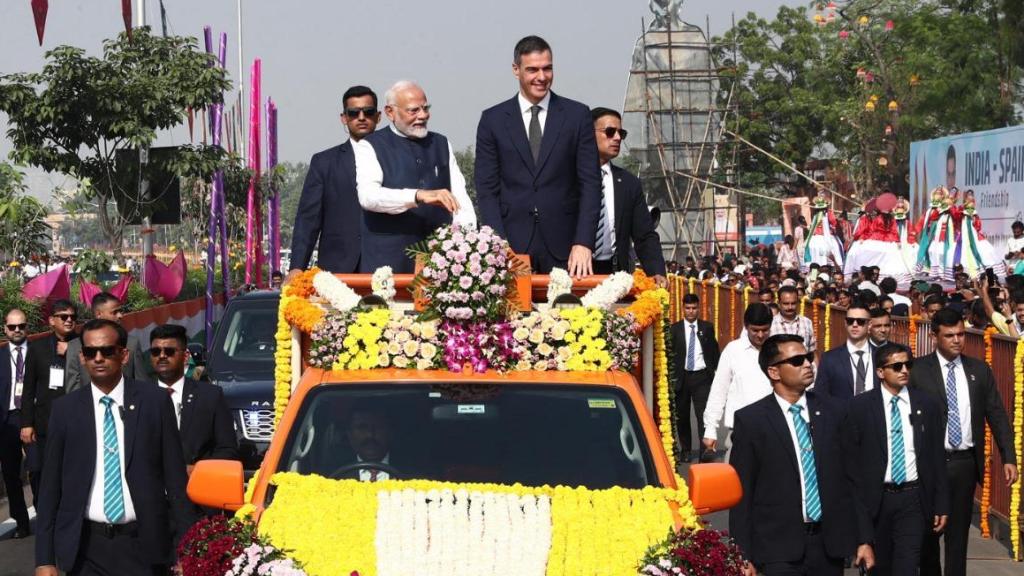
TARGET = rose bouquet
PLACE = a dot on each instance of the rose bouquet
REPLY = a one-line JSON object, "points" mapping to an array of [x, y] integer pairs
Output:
{"points": [[541, 336], [689, 552], [623, 345], [409, 343], [383, 283], [468, 274], [328, 339], [210, 545], [263, 559]]}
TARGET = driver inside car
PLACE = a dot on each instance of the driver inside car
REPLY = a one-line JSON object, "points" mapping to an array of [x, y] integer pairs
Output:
{"points": [[369, 435]]}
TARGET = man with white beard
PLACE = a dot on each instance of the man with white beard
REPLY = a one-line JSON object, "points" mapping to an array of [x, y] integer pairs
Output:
{"points": [[408, 182]]}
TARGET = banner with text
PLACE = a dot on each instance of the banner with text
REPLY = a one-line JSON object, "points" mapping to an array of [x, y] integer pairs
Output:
{"points": [[991, 163]]}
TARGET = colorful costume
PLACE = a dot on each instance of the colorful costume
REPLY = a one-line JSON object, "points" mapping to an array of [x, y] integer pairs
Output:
{"points": [[973, 251], [937, 239], [822, 245], [877, 243], [906, 232]]}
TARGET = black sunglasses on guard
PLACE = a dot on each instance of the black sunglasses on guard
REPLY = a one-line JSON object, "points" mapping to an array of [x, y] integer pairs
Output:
{"points": [[610, 131], [17, 327], [857, 321], [106, 351], [353, 113], [898, 366], [796, 361], [157, 351]]}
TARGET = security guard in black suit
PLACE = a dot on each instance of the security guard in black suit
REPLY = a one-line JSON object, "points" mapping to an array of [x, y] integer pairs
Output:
{"points": [[696, 351]]}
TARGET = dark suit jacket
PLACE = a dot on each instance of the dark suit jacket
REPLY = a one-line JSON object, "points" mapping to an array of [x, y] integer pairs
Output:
{"points": [[138, 366], [561, 193], [708, 345], [6, 383], [36, 394], [329, 213], [866, 446], [633, 227], [206, 429], [986, 403], [768, 523], [835, 372], [154, 470]]}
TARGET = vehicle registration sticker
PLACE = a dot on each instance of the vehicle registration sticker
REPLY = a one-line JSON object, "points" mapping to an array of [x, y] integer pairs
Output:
{"points": [[471, 408], [601, 403]]}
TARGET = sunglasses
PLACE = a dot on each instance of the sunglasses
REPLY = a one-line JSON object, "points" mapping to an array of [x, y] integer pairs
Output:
{"points": [[17, 327], [610, 131], [105, 351], [157, 351], [899, 366], [66, 317], [368, 111], [857, 321], [798, 360]]}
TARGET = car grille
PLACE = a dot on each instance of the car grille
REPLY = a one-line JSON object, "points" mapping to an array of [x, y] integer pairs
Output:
{"points": [[257, 424]]}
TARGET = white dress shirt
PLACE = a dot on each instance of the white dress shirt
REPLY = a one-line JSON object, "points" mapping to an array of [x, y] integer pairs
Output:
{"points": [[909, 456], [898, 299], [16, 386], [373, 196], [738, 382], [963, 401], [608, 190], [94, 511], [176, 397], [691, 328], [542, 116], [869, 365], [784, 406], [366, 474]]}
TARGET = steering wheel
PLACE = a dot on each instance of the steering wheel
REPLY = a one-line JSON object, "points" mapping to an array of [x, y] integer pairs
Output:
{"points": [[392, 472]]}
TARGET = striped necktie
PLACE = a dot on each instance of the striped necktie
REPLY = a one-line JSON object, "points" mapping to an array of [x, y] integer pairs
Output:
{"points": [[113, 498], [953, 431], [691, 348], [604, 247], [898, 457], [803, 436]]}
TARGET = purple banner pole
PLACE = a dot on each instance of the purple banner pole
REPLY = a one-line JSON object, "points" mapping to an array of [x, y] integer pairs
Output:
{"points": [[253, 222], [216, 196], [225, 263], [211, 252], [275, 198]]}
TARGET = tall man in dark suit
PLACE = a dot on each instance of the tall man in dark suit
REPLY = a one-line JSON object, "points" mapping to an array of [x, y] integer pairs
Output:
{"points": [[114, 477], [44, 383], [625, 225], [893, 436], [408, 181], [12, 378], [204, 422], [966, 388], [696, 351], [847, 369], [108, 307], [329, 214], [537, 177], [795, 514]]}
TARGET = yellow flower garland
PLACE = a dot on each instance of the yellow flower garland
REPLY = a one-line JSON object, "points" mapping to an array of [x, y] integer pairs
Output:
{"points": [[1018, 432], [828, 326], [986, 478], [362, 341], [662, 390], [589, 350], [732, 314], [593, 531], [803, 302], [282, 360], [912, 334], [718, 291], [746, 297]]}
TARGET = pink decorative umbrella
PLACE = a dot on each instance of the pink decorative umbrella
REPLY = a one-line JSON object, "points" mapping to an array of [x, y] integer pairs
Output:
{"points": [[51, 286], [87, 290], [165, 280]]}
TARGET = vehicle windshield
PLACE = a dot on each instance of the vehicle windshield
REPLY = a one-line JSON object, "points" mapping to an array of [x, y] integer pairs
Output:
{"points": [[246, 344], [530, 434]]}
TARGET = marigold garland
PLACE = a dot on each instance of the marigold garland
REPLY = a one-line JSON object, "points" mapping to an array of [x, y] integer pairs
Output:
{"points": [[302, 285], [647, 306], [828, 326], [302, 313], [663, 388], [732, 314], [1018, 432], [803, 305], [814, 317], [718, 292], [642, 282], [912, 333], [282, 359], [704, 300], [593, 531], [986, 479], [746, 297]]}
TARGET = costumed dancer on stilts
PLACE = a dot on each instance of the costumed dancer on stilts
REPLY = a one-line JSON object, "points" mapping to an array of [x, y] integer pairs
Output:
{"points": [[822, 245], [879, 245], [907, 233], [937, 239], [973, 251]]}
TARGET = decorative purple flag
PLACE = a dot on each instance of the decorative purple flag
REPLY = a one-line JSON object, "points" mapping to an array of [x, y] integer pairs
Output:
{"points": [[165, 280]]}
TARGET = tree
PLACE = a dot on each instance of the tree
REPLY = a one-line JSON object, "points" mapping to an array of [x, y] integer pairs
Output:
{"points": [[858, 90], [80, 111], [23, 229]]}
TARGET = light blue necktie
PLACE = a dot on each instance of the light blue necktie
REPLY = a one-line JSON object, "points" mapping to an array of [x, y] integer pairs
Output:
{"points": [[953, 411], [691, 349], [803, 436], [899, 464], [113, 498]]}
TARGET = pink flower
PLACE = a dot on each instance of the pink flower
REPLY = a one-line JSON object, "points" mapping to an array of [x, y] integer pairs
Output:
{"points": [[459, 269], [474, 268], [465, 282]]}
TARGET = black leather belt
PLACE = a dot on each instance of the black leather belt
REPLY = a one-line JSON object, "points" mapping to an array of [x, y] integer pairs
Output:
{"points": [[111, 530], [695, 371], [891, 487], [957, 454], [812, 528]]}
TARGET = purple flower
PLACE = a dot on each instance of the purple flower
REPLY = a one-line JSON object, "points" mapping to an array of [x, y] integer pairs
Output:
{"points": [[459, 269], [477, 295], [474, 268]]}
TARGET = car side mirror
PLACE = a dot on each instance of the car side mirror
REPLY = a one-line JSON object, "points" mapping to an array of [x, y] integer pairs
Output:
{"points": [[198, 353], [217, 484], [714, 487]]}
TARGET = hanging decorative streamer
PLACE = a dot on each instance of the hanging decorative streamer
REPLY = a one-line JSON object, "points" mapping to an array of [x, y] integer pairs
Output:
{"points": [[39, 10], [253, 221], [275, 194], [1018, 432], [218, 222], [126, 14], [986, 478]]}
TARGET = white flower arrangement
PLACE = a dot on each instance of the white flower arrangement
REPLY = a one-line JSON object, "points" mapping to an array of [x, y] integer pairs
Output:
{"points": [[383, 283], [607, 293], [336, 292], [445, 532], [559, 282]]}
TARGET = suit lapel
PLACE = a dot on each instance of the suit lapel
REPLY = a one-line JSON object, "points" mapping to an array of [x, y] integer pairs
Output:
{"points": [[878, 414], [619, 195], [131, 420], [917, 420], [86, 420], [517, 132], [937, 381], [552, 129], [778, 423], [189, 398], [973, 392], [6, 382]]}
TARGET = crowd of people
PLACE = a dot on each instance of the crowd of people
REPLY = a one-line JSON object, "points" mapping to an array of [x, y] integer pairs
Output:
{"points": [[109, 429]]}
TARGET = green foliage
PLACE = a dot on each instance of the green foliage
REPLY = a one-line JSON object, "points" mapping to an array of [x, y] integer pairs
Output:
{"points": [[138, 298], [76, 114], [800, 97], [23, 229], [10, 298], [92, 264], [466, 159]]}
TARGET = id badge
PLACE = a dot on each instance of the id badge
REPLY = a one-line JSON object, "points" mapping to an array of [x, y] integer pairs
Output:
{"points": [[56, 378], [18, 388]]}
